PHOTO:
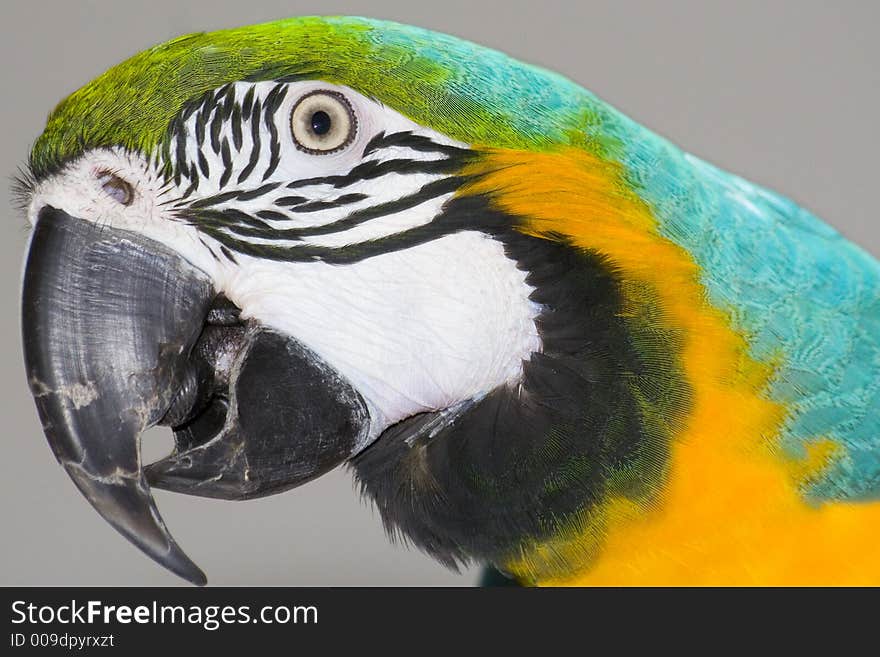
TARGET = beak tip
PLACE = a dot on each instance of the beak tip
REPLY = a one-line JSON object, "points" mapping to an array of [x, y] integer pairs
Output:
{"points": [[173, 557], [126, 503], [182, 566]]}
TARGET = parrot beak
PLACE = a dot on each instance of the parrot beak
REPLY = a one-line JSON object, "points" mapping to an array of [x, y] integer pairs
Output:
{"points": [[120, 334], [109, 318]]}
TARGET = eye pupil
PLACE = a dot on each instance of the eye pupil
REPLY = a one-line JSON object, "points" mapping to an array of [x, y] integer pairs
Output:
{"points": [[321, 123]]}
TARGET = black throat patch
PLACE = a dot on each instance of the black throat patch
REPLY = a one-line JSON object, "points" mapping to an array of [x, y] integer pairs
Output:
{"points": [[591, 418]]}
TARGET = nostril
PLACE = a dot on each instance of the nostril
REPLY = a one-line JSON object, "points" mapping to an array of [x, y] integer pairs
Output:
{"points": [[116, 188]]}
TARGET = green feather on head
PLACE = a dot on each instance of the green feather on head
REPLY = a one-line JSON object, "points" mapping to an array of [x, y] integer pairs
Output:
{"points": [[467, 92]]}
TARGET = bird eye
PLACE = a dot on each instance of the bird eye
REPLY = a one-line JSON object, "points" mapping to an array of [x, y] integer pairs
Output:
{"points": [[116, 188], [322, 122]]}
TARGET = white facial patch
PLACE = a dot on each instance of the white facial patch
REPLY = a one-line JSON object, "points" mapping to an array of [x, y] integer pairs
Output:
{"points": [[77, 191], [414, 329]]}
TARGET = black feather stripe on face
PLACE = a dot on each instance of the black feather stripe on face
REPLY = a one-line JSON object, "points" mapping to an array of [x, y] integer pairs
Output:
{"points": [[243, 225], [202, 133], [238, 230], [591, 419]]}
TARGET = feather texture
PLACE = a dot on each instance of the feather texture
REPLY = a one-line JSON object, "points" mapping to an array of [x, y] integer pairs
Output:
{"points": [[763, 460]]}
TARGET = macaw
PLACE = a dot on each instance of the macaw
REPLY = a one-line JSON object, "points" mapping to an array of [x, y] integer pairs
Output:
{"points": [[542, 337]]}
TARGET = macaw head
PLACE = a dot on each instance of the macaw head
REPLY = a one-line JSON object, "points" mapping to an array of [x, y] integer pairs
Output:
{"points": [[307, 242]]}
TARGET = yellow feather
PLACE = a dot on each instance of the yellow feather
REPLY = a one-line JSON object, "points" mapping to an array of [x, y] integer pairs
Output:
{"points": [[731, 510]]}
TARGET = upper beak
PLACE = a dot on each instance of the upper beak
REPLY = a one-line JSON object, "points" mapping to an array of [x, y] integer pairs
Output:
{"points": [[108, 319], [122, 333]]}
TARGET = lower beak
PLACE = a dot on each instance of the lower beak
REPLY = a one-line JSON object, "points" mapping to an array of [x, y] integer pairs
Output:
{"points": [[109, 318]]}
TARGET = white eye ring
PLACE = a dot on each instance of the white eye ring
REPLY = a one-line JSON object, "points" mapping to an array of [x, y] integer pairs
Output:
{"points": [[322, 122]]}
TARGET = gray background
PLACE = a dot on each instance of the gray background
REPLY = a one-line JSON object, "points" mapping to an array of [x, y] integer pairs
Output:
{"points": [[784, 93]]}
